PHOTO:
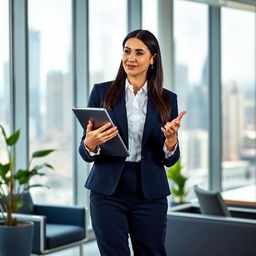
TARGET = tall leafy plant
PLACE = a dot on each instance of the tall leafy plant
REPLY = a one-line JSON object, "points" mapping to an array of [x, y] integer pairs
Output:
{"points": [[13, 183], [178, 181]]}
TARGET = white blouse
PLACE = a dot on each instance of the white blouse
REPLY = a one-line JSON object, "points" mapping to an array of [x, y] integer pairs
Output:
{"points": [[136, 109]]}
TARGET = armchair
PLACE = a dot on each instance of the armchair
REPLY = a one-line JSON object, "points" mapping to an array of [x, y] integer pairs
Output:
{"points": [[55, 227]]}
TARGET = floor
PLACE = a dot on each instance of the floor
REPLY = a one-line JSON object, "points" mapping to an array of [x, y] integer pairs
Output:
{"points": [[90, 249]]}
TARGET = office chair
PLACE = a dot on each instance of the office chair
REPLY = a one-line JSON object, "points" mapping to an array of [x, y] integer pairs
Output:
{"points": [[211, 203]]}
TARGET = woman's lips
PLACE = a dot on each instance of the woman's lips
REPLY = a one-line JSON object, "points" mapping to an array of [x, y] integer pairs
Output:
{"points": [[131, 66]]}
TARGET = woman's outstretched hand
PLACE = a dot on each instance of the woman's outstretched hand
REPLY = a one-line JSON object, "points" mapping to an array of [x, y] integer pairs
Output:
{"points": [[99, 136], [170, 131]]}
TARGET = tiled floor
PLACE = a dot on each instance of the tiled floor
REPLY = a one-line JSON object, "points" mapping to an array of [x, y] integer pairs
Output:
{"points": [[90, 249]]}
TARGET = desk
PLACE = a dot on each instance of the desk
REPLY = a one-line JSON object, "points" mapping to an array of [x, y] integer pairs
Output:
{"points": [[241, 196]]}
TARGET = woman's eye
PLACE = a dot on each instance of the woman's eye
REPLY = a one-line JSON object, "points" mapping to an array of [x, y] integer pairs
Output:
{"points": [[139, 53], [126, 51]]}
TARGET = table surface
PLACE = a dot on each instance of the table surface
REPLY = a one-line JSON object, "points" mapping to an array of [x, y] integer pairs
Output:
{"points": [[245, 195]]}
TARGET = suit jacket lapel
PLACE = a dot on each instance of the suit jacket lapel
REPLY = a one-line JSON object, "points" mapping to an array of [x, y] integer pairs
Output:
{"points": [[150, 119], [119, 117]]}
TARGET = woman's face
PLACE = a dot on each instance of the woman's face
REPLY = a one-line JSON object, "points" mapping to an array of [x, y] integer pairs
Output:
{"points": [[136, 58]]}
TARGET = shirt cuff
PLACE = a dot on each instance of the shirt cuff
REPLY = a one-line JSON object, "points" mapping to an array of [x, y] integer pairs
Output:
{"points": [[168, 154], [92, 153]]}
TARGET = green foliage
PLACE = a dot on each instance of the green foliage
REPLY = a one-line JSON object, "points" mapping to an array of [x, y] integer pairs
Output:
{"points": [[14, 184], [178, 181], [41, 153]]}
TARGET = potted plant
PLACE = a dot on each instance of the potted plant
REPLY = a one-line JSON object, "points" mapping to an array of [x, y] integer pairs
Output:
{"points": [[13, 185], [178, 181]]}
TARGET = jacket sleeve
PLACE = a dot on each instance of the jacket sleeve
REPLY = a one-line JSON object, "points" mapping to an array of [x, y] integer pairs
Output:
{"points": [[93, 102], [174, 113]]}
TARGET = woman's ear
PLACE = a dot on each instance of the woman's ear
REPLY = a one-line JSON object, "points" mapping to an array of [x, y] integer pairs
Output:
{"points": [[153, 58]]}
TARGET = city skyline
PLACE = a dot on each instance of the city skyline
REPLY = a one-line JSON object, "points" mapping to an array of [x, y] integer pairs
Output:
{"points": [[50, 85]]}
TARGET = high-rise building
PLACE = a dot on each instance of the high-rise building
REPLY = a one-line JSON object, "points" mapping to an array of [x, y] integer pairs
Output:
{"points": [[194, 149], [34, 85], [59, 105], [181, 86], [194, 132], [55, 102], [233, 117]]}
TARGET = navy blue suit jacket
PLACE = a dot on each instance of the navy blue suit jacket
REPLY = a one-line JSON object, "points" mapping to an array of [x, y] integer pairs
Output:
{"points": [[106, 171]]}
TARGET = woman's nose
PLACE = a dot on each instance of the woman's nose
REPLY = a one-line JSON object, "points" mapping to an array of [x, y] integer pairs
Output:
{"points": [[131, 57]]}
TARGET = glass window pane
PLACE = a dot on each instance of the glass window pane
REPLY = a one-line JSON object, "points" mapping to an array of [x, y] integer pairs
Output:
{"points": [[50, 89], [108, 27], [191, 85], [4, 74], [150, 15], [238, 98]]}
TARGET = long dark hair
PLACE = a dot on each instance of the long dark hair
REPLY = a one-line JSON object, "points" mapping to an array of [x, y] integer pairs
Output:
{"points": [[154, 77]]}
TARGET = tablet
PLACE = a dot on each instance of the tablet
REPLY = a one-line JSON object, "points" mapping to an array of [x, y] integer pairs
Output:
{"points": [[100, 116]]}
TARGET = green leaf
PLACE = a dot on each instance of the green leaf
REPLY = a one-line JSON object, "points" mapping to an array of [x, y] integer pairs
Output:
{"points": [[35, 185], [20, 172], [6, 181], [22, 176], [13, 138], [35, 172], [24, 204], [178, 180], [38, 167], [3, 172], [49, 166], [4, 168], [23, 180], [42, 153], [3, 131]]}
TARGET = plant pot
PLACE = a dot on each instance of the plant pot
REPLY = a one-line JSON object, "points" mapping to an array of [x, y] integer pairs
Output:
{"points": [[16, 240]]}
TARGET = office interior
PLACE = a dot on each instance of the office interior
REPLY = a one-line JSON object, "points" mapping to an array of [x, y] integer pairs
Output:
{"points": [[52, 52]]}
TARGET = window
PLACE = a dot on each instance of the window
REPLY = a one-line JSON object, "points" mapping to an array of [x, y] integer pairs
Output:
{"points": [[238, 98], [108, 27], [191, 86], [4, 74], [149, 15], [50, 94]]}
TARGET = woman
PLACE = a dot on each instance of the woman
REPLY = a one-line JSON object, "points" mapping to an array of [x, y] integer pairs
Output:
{"points": [[128, 194]]}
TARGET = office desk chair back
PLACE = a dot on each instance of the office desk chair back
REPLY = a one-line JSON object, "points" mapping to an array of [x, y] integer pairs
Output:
{"points": [[211, 203]]}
